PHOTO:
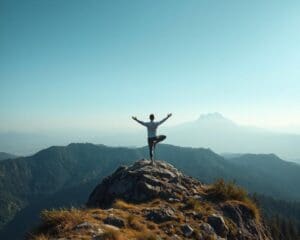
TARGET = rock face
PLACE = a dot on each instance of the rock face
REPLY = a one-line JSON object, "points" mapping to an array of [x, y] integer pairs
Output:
{"points": [[143, 182]]}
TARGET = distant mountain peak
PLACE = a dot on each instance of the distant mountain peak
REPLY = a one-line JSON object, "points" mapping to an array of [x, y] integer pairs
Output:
{"points": [[214, 117]]}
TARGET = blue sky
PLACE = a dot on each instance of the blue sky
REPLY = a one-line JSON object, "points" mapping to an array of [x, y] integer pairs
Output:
{"points": [[93, 64]]}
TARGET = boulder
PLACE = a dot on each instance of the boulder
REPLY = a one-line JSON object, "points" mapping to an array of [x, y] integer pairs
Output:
{"points": [[160, 215], [206, 229], [218, 223], [114, 221], [187, 230], [143, 182]]}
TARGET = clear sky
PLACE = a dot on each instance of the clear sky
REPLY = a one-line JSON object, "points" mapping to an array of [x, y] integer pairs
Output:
{"points": [[92, 64]]}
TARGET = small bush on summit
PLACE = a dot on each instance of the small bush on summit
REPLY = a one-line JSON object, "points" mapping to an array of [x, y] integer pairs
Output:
{"points": [[222, 191]]}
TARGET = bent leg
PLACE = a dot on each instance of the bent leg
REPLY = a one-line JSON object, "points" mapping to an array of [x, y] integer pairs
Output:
{"points": [[160, 138]]}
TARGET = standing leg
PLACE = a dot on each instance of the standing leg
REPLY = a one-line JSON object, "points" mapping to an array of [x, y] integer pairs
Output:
{"points": [[158, 139], [150, 145]]}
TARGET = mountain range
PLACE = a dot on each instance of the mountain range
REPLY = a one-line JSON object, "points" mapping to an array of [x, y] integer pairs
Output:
{"points": [[4, 155], [64, 175], [211, 130]]}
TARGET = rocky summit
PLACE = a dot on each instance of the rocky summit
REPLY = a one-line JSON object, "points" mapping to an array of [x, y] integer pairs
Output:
{"points": [[142, 182], [156, 201]]}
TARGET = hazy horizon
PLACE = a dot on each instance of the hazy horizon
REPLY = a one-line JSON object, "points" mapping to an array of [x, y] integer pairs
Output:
{"points": [[212, 130]]}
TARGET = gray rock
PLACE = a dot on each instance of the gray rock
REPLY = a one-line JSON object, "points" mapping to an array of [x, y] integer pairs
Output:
{"points": [[143, 182], [115, 221], [173, 200], [111, 227], [187, 230], [243, 217], [175, 237], [218, 223], [160, 215], [206, 229], [198, 216], [84, 225]]}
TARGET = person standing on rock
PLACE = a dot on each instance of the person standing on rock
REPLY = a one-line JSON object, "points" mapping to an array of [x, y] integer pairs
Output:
{"points": [[153, 139]]}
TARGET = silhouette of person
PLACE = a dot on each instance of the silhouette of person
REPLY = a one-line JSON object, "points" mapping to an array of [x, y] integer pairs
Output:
{"points": [[153, 139]]}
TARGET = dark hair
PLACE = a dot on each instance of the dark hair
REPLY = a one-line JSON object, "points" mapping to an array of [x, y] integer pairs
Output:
{"points": [[151, 116]]}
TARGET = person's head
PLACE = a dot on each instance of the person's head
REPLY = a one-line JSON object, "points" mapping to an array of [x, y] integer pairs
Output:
{"points": [[151, 116]]}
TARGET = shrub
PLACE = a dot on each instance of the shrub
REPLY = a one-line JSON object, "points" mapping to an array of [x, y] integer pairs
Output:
{"points": [[222, 191], [63, 218]]}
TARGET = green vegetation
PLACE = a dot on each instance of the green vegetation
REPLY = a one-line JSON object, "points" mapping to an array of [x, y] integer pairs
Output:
{"points": [[282, 217]]}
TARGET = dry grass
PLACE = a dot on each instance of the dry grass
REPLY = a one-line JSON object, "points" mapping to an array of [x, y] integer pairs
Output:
{"points": [[232, 226], [119, 204], [222, 191], [254, 210], [40, 237], [146, 236], [62, 217], [61, 223], [111, 235], [135, 223], [201, 207]]}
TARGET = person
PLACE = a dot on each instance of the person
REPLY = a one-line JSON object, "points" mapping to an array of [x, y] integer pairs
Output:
{"points": [[153, 139]]}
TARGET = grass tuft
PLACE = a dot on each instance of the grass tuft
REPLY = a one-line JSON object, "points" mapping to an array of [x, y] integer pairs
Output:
{"points": [[62, 219], [135, 224], [200, 207], [39, 237], [146, 236], [111, 235], [222, 191], [120, 204]]}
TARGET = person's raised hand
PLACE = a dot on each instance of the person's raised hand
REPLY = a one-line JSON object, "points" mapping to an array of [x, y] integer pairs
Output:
{"points": [[134, 118], [170, 114]]}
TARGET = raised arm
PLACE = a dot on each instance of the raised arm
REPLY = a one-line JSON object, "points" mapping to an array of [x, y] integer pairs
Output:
{"points": [[140, 122], [165, 119]]}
